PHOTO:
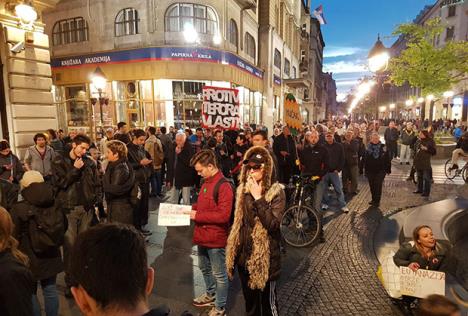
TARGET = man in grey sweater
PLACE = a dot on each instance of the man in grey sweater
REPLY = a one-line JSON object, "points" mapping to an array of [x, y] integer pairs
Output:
{"points": [[39, 156]]}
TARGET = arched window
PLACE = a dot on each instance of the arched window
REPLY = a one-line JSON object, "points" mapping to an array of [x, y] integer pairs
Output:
{"points": [[249, 45], [126, 22], [277, 59], [201, 17], [71, 30], [233, 33]]}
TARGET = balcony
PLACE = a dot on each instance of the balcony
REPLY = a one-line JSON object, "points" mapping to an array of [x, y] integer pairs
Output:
{"points": [[247, 3]]}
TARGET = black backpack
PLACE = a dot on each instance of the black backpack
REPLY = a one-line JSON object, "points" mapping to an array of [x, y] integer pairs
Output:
{"points": [[216, 194], [46, 227]]}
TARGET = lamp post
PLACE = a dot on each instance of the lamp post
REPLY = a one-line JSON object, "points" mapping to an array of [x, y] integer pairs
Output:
{"points": [[448, 95], [378, 58], [99, 81]]}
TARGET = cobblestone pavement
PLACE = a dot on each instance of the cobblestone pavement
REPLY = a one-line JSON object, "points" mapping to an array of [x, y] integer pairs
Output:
{"points": [[338, 277]]}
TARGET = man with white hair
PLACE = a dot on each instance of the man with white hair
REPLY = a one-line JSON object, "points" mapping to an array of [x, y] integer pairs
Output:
{"points": [[408, 138], [180, 174]]}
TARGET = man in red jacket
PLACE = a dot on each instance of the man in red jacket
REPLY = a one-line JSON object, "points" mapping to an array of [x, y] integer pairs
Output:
{"points": [[211, 215]]}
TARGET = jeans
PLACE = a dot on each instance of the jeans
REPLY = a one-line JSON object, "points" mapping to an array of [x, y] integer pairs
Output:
{"points": [[350, 173], [212, 263], [405, 153], [175, 194], [51, 299], [156, 182], [424, 181], [392, 148], [333, 178]]}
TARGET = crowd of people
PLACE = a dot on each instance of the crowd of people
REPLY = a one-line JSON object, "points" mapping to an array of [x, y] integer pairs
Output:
{"points": [[235, 181]]}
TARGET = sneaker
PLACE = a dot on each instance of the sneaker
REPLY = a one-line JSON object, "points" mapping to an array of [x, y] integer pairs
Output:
{"points": [[204, 300], [324, 207], [345, 209], [217, 312]]}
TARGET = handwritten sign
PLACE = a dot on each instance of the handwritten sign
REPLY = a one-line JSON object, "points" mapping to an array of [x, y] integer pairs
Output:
{"points": [[220, 108], [292, 114], [174, 215], [422, 282]]}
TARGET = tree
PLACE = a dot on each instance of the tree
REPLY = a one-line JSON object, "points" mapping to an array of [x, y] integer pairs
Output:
{"points": [[422, 65]]}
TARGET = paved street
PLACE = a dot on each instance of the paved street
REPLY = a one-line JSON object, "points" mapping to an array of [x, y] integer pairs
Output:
{"points": [[334, 278]]}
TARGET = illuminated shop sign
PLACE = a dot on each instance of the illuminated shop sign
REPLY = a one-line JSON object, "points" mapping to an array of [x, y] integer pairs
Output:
{"points": [[159, 53]]}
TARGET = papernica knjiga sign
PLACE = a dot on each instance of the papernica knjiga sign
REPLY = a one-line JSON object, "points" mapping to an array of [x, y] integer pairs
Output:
{"points": [[220, 108], [422, 282]]}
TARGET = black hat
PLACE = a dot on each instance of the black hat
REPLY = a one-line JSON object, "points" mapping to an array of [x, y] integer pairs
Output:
{"points": [[4, 145], [256, 159]]}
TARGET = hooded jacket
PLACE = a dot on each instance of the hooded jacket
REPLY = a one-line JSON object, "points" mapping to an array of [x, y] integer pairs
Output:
{"points": [[254, 240], [36, 195]]}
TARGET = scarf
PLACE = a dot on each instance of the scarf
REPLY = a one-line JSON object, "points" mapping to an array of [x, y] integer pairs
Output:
{"points": [[374, 150]]}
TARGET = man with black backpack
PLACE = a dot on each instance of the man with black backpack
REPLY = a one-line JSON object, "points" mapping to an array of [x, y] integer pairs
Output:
{"points": [[211, 215], [78, 191]]}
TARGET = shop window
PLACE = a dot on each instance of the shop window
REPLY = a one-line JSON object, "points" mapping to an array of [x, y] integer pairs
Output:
{"points": [[72, 30], [277, 59], [77, 106], [233, 33], [126, 22], [250, 45], [450, 33], [287, 67], [202, 18]]}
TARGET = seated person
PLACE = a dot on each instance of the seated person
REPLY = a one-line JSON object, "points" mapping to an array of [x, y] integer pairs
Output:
{"points": [[423, 253], [461, 150], [110, 272]]}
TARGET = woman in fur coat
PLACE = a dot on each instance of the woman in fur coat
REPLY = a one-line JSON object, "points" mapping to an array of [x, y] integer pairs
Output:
{"points": [[254, 241]]}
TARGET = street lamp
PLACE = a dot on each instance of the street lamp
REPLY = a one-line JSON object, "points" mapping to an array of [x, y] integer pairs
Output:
{"points": [[409, 102], [378, 57], [99, 81], [27, 15], [420, 100], [392, 106], [448, 94], [190, 34]]}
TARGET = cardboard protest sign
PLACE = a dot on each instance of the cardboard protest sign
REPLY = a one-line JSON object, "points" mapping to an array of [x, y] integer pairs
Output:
{"points": [[174, 215], [220, 108], [421, 283], [292, 114]]}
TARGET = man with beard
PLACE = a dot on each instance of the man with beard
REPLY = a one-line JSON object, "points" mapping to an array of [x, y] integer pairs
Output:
{"points": [[39, 157]]}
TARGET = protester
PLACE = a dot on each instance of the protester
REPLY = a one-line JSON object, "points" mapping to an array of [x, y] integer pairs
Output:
{"points": [[376, 166], [408, 138], [11, 167], [154, 147], [240, 148], [391, 137], [425, 148], [437, 305], [16, 280], [111, 274], [461, 150], [336, 160], [39, 156], [45, 262], [222, 151], [54, 141], [351, 148], [142, 167], [168, 148], [284, 148], [103, 142], [180, 175], [211, 230], [122, 133], [260, 138], [76, 182], [253, 245], [198, 140], [118, 183]]}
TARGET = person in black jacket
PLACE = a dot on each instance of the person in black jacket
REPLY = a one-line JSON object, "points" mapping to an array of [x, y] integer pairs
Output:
{"points": [[425, 148], [391, 138], [336, 160], [118, 183], [222, 151], [284, 148], [122, 133], [16, 280], [44, 265], [141, 165], [77, 187], [351, 168], [180, 174], [376, 166]]}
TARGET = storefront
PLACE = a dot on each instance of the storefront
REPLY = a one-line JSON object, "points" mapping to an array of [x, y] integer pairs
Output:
{"points": [[152, 87]]}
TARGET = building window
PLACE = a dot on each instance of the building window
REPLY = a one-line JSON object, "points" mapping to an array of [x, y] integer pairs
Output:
{"points": [[250, 45], [277, 59], [450, 33], [126, 22], [294, 72], [202, 18], [287, 67], [452, 10], [233, 33], [72, 30]]}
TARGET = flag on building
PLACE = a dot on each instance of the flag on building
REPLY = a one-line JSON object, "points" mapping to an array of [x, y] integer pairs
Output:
{"points": [[318, 13]]}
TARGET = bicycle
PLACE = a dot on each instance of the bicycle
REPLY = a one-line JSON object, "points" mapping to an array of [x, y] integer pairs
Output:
{"points": [[453, 173], [301, 225]]}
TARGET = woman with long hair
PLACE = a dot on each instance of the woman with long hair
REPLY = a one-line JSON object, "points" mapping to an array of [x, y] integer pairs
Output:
{"points": [[16, 281]]}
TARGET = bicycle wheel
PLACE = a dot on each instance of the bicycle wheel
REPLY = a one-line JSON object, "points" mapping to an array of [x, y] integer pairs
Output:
{"points": [[300, 226], [449, 172], [465, 173]]}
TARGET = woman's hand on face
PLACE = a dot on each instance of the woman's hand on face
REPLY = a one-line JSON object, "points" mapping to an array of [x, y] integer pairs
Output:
{"points": [[255, 188], [414, 266]]}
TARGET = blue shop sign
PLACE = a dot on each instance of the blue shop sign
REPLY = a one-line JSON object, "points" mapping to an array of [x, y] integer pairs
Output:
{"points": [[159, 53], [277, 80]]}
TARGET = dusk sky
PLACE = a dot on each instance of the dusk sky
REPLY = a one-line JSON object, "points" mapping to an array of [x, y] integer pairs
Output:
{"points": [[351, 31]]}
